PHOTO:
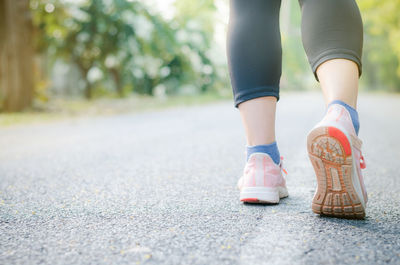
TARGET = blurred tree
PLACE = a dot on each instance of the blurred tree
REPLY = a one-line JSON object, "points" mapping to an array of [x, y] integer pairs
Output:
{"points": [[382, 43], [296, 72], [16, 55], [87, 36], [124, 41], [196, 20]]}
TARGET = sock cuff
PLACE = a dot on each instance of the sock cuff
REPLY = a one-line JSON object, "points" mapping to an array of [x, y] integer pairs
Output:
{"points": [[262, 145], [344, 104], [270, 149]]}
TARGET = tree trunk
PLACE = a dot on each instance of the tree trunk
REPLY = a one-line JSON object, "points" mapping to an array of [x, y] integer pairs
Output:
{"points": [[16, 55], [117, 81], [84, 72], [88, 91]]}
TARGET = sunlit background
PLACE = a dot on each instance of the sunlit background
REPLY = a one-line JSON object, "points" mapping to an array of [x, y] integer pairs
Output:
{"points": [[72, 56]]}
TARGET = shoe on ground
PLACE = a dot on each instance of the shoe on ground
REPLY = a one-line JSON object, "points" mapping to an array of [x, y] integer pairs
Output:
{"points": [[335, 153], [262, 180]]}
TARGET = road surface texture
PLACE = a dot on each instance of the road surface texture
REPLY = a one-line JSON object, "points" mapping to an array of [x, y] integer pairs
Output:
{"points": [[159, 188]]}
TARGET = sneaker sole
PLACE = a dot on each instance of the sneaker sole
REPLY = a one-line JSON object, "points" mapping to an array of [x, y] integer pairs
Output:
{"points": [[262, 195], [330, 153]]}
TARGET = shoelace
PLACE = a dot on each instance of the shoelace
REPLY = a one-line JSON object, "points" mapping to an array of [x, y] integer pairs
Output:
{"points": [[284, 170]]}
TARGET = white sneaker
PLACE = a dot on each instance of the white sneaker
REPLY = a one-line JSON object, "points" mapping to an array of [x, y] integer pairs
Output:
{"points": [[335, 153], [262, 180]]}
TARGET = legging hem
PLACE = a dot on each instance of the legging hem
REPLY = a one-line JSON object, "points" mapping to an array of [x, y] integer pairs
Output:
{"points": [[259, 92], [336, 54]]}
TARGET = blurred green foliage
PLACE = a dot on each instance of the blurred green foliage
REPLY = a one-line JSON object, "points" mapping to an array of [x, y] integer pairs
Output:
{"points": [[381, 51], [381, 61], [124, 46], [296, 72], [126, 43]]}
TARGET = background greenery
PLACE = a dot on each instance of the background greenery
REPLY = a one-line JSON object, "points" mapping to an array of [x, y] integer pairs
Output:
{"points": [[101, 48], [124, 46]]}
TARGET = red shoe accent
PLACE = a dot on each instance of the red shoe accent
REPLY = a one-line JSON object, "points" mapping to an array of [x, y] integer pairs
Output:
{"points": [[362, 162], [338, 134], [249, 200]]}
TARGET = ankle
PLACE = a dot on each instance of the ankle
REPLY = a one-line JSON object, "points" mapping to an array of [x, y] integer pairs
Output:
{"points": [[269, 149]]}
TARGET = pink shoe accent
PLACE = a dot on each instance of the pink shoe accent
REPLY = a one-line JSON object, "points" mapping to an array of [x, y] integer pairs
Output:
{"points": [[262, 180]]}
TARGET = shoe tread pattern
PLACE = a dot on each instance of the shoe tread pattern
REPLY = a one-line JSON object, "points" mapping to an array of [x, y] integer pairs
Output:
{"points": [[335, 195]]}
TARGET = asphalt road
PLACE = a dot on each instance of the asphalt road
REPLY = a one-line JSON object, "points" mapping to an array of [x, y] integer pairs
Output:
{"points": [[159, 188]]}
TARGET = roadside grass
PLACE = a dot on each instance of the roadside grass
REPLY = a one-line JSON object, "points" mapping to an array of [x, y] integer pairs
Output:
{"points": [[63, 109]]}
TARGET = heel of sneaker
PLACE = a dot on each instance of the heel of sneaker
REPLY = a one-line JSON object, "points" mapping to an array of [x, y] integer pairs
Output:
{"points": [[330, 154], [263, 195]]}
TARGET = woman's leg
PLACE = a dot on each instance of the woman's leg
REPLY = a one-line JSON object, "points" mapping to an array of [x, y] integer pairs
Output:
{"points": [[332, 34], [339, 81], [332, 37], [255, 58], [258, 117]]}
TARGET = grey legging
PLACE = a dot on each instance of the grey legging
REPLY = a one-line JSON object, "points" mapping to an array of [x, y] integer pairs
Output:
{"points": [[330, 29]]}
